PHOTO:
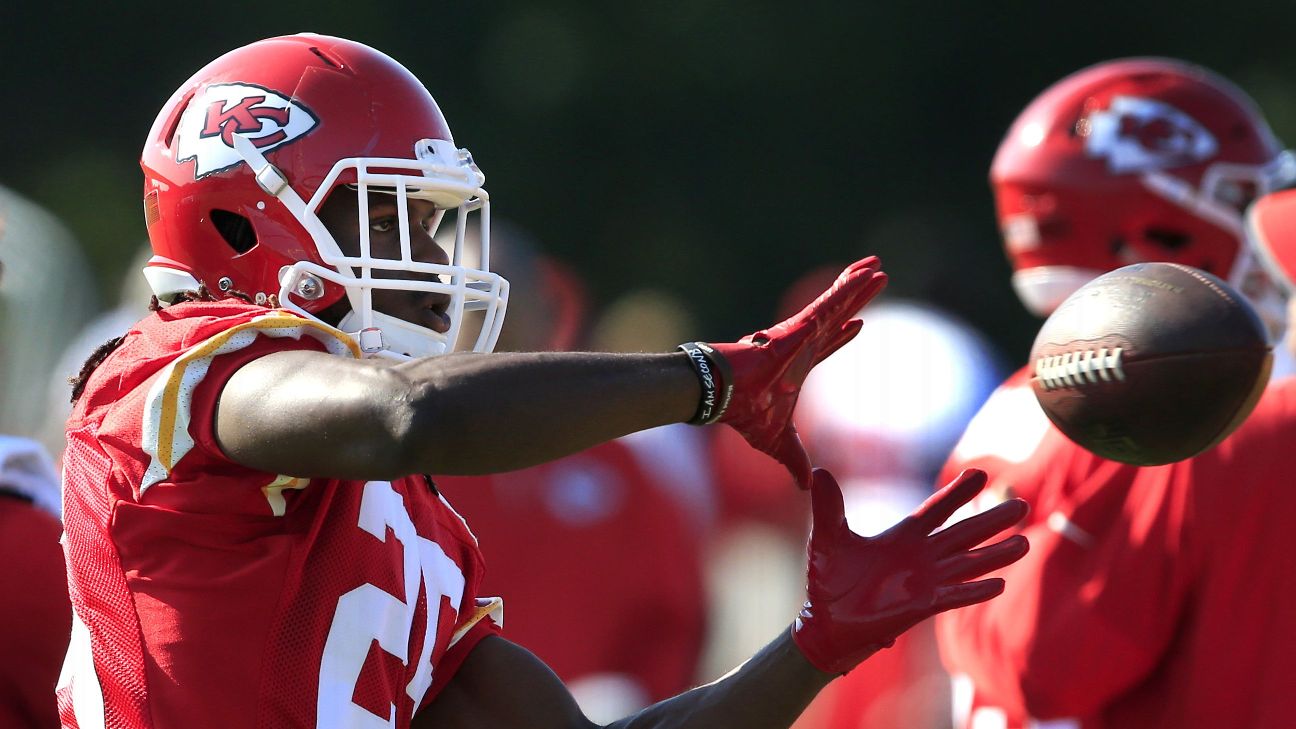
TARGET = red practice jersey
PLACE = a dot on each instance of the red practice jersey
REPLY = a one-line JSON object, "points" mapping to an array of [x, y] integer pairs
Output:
{"points": [[1152, 598], [601, 568], [207, 594], [34, 613]]}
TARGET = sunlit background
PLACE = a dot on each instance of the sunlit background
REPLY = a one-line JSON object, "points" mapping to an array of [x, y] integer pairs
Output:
{"points": [[685, 163], [712, 149]]}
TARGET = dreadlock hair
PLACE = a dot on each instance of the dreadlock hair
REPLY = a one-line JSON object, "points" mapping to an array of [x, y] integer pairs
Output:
{"points": [[96, 358], [78, 381]]}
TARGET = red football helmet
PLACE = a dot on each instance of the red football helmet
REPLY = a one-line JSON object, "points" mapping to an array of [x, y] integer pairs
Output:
{"points": [[243, 155], [1143, 159]]}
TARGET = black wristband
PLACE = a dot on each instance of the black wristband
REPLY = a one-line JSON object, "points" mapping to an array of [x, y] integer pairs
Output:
{"points": [[712, 371]]}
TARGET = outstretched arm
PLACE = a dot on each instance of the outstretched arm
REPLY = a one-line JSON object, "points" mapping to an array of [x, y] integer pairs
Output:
{"points": [[503, 685], [312, 414], [309, 414], [862, 593]]}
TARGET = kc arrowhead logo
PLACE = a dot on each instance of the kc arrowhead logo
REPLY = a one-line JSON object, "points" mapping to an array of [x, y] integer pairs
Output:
{"points": [[1141, 135], [267, 118]]}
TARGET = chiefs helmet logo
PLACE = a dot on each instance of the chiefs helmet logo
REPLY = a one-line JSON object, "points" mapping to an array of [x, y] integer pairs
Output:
{"points": [[206, 133], [1142, 135]]}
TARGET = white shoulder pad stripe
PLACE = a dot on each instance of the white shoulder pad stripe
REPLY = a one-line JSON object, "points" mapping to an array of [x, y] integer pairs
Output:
{"points": [[167, 411]]}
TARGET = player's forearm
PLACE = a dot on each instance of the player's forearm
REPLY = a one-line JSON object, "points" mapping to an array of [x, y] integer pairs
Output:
{"points": [[488, 413], [769, 690]]}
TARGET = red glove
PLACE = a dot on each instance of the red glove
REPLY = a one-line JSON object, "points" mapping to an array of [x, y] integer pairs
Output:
{"points": [[863, 592], [760, 375]]}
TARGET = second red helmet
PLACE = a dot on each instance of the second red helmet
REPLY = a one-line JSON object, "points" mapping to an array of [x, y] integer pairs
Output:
{"points": [[1141, 159]]}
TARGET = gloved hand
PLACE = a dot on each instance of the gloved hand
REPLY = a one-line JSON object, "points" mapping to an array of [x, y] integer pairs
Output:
{"points": [[863, 592], [761, 374]]}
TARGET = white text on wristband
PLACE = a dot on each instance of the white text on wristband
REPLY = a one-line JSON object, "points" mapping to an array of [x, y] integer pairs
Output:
{"points": [[712, 403]]}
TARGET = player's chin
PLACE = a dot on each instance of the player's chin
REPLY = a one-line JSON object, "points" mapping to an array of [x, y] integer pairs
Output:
{"points": [[416, 310]]}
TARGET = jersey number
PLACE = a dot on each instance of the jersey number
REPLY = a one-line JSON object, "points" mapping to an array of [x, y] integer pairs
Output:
{"points": [[367, 614]]}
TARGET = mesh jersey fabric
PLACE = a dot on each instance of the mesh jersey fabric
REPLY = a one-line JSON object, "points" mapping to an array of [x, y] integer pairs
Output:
{"points": [[1151, 597], [208, 594]]}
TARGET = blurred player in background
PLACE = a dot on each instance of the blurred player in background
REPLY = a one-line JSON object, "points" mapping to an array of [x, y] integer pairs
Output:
{"points": [[250, 536], [1152, 597], [34, 613], [35, 617], [41, 257], [572, 527]]}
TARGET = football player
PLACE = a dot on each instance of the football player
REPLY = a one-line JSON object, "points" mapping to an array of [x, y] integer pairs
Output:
{"points": [[250, 537], [36, 248], [1152, 596], [34, 612]]}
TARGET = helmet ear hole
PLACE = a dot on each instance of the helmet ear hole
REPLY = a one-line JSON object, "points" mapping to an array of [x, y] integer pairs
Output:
{"points": [[1171, 240], [235, 229]]}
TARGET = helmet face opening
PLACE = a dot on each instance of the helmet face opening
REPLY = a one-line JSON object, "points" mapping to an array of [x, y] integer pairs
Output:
{"points": [[246, 154], [442, 176]]}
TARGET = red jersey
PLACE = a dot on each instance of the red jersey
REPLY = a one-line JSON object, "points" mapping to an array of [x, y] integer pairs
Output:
{"points": [[208, 594], [611, 540], [34, 613], [1154, 598]]}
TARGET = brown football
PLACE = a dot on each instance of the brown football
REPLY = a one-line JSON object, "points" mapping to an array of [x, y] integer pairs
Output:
{"points": [[1151, 363]]}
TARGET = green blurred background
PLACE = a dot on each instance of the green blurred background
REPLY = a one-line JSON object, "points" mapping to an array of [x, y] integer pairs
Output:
{"points": [[713, 149]]}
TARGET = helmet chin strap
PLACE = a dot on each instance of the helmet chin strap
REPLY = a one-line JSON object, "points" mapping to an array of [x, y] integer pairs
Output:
{"points": [[272, 181], [1043, 288], [389, 337]]}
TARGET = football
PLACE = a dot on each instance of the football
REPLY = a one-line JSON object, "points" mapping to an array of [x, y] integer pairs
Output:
{"points": [[1151, 363]]}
